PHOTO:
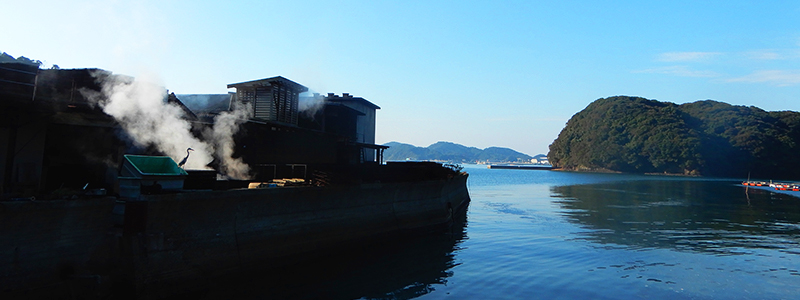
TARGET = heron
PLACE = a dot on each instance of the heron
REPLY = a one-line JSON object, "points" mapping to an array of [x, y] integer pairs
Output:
{"points": [[183, 162]]}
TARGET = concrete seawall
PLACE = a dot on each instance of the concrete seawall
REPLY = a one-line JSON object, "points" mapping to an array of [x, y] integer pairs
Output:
{"points": [[172, 243], [51, 247], [189, 238]]}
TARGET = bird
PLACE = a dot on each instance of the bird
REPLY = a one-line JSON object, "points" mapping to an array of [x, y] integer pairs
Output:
{"points": [[183, 162]]}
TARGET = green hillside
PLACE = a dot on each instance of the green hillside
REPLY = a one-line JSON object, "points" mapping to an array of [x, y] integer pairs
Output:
{"points": [[632, 134]]}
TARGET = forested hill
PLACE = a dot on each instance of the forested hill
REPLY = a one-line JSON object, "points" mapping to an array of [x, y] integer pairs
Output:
{"points": [[452, 152], [631, 134]]}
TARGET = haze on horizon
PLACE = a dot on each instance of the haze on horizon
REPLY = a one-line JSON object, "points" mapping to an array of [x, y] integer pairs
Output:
{"points": [[507, 74]]}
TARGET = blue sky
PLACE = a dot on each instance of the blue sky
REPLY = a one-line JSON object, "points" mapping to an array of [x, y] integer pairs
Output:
{"points": [[490, 73]]}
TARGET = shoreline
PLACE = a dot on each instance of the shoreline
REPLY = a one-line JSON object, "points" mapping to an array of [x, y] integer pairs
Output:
{"points": [[607, 171]]}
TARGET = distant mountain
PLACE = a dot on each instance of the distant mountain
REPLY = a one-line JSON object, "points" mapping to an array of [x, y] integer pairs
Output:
{"points": [[453, 152]]}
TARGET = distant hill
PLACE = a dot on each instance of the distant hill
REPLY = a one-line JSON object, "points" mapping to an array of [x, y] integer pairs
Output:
{"points": [[637, 135], [452, 152]]}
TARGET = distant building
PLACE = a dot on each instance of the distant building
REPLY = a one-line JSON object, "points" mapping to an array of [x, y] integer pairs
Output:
{"points": [[540, 159]]}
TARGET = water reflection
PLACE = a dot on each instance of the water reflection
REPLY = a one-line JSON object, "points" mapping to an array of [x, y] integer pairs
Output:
{"points": [[400, 267], [690, 215]]}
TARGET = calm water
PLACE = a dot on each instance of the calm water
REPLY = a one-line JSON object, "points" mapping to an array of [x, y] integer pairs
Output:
{"points": [[559, 235]]}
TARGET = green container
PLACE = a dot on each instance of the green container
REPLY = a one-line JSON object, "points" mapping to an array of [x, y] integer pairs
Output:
{"points": [[139, 172], [152, 166]]}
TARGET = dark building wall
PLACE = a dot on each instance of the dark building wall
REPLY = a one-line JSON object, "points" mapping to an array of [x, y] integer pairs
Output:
{"points": [[49, 141], [260, 144], [364, 129], [65, 86], [79, 155], [17, 87], [17, 81], [39, 157], [341, 120], [23, 149], [4, 150]]}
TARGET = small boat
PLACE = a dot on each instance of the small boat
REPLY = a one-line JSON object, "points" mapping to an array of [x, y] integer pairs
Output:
{"points": [[522, 167], [782, 186], [794, 188]]}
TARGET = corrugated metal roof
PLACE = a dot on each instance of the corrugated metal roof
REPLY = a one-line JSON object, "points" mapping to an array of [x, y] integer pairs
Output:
{"points": [[269, 81]]}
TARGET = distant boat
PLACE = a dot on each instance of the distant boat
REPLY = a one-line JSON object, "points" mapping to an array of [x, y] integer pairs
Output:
{"points": [[522, 167], [779, 186], [785, 186]]}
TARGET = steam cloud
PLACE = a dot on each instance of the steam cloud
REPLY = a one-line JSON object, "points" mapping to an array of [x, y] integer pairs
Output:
{"points": [[140, 109], [309, 105], [226, 124]]}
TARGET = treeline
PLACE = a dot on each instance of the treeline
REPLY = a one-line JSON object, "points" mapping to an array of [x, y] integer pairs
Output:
{"points": [[637, 135]]}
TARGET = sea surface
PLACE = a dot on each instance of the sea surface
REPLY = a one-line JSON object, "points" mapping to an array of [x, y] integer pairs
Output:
{"points": [[533, 234]]}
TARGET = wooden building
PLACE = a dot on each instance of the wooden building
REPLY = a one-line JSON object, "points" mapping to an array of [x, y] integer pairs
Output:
{"points": [[272, 99]]}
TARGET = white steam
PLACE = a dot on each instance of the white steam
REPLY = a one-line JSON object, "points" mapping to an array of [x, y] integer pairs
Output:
{"points": [[226, 124], [310, 104], [140, 108]]}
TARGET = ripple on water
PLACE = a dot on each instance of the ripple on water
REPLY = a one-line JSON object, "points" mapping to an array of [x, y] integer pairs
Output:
{"points": [[652, 240]]}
